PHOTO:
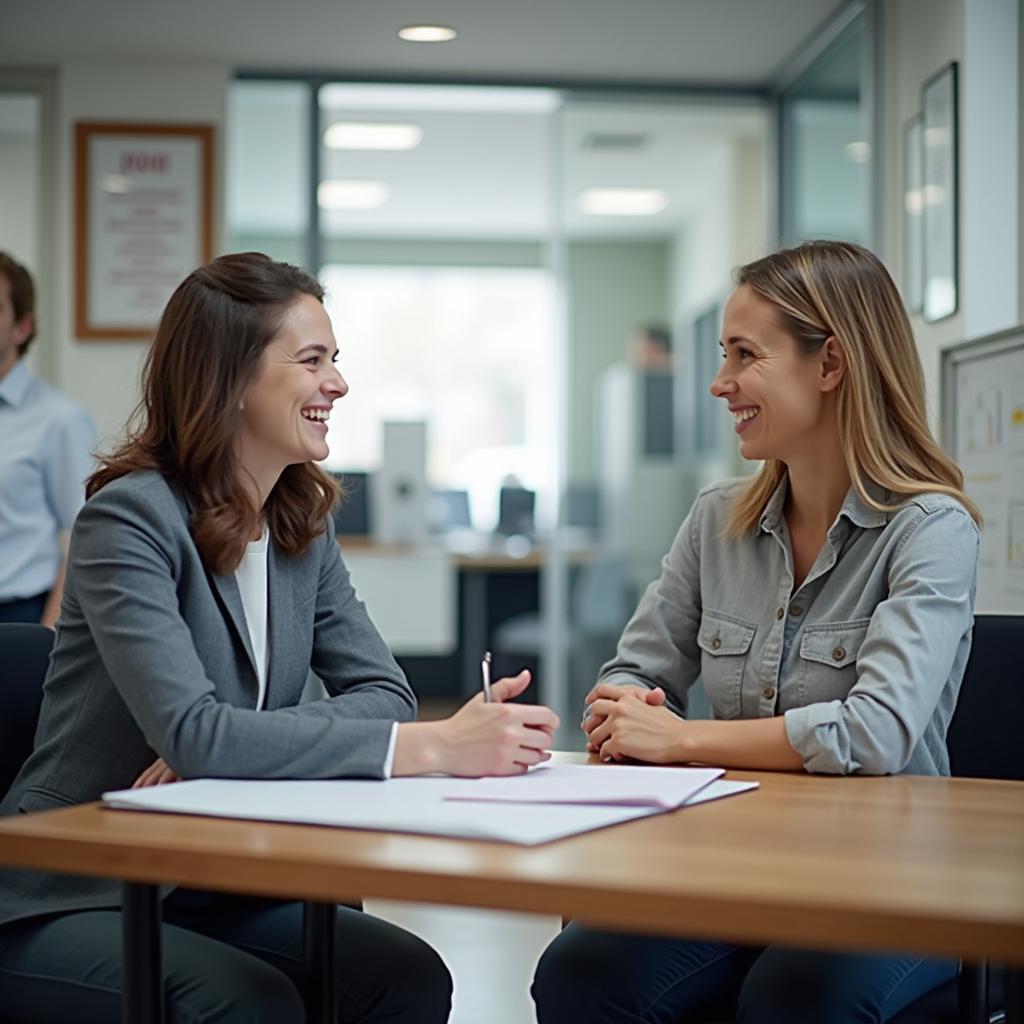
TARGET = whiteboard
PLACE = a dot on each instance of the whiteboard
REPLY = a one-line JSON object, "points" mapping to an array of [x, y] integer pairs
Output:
{"points": [[983, 429]]}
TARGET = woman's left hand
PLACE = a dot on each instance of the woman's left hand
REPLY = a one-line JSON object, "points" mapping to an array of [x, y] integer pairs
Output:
{"points": [[156, 775], [637, 729]]}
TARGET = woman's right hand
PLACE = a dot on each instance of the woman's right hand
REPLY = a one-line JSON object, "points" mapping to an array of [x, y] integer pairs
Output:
{"points": [[480, 739]]}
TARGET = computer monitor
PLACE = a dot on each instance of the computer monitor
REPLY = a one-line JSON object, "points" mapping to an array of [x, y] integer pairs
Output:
{"points": [[352, 515], [448, 510], [515, 510]]}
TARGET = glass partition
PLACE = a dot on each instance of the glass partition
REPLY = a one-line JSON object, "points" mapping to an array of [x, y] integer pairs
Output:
{"points": [[531, 282], [825, 143], [659, 200]]}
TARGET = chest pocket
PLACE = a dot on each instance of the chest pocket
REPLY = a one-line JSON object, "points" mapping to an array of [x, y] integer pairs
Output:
{"points": [[725, 644], [828, 660]]}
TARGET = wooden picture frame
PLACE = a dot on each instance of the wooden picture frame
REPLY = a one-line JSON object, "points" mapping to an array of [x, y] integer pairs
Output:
{"points": [[143, 221]]}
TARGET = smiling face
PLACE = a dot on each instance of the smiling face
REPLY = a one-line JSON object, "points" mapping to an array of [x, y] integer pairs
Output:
{"points": [[782, 401], [285, 408]]}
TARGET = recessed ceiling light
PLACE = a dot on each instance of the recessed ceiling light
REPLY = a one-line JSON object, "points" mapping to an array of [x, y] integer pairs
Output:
{"points": [[623, 202], [427, 34], [352, 195], [365, 135]]}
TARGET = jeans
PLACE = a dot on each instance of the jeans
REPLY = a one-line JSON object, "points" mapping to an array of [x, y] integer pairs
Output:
{"points": [[598, 977], [226, 959]]}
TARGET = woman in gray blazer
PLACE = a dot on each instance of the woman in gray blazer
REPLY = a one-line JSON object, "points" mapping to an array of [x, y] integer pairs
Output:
{"points": [[826, 604], [203, 584]]}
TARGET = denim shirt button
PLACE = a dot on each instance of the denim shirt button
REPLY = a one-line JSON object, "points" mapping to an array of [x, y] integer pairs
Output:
{"points": [[795, 609], [780, 613], [716, 643], [768, 692], [839, 653]]}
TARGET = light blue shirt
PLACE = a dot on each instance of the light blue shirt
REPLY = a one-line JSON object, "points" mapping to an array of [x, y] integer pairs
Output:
{"points": [[864, 659], [46, 442]]}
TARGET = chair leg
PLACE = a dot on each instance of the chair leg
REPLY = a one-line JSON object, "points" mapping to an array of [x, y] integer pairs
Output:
{"points": [[1014, 995], [318, 956], [973, 993], [143, 982]]}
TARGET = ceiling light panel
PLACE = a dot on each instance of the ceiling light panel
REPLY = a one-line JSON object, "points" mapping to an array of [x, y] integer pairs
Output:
{"points": [[340, 194], [366, 135], [623, 202], [427, 34]]}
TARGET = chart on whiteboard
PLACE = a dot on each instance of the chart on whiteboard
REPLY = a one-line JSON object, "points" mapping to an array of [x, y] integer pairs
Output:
{"points": [[990, 450]]}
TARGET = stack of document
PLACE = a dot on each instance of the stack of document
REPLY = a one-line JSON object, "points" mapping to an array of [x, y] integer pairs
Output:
{"points": [[549, 802]]}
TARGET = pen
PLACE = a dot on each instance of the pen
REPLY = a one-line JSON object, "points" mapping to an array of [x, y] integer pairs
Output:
{"points": [[485, 676]]}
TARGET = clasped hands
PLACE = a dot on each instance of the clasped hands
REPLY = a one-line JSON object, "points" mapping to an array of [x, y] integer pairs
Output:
{"points": [[632, 722]]}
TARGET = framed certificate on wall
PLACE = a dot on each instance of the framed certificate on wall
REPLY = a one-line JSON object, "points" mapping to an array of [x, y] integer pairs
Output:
{"points": [[143, 220]]}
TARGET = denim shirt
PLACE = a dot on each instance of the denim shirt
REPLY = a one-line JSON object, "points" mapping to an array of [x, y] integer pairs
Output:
{"points": [[864, 659]]}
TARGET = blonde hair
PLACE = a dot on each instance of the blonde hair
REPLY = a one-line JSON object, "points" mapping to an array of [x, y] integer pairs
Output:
{"points": [[825, 289]]}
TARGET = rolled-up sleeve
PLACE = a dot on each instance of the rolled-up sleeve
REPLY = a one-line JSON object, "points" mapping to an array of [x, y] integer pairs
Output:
{"points": [[908, 657]]}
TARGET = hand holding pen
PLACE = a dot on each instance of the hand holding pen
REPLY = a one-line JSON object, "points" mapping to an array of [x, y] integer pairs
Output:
{"points": [[485, 674], [488, 735]]}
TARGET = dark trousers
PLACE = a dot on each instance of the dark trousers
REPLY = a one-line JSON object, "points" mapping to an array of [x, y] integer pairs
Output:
{"points": [[24, 609], [226, 959], [609, 978]]}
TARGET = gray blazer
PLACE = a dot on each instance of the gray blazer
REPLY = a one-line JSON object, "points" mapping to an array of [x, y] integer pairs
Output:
{"points": [[152, 657]]}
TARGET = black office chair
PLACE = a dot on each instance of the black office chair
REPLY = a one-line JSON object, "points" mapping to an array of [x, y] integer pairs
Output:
{"points": [[983, 743], [25, 654]]}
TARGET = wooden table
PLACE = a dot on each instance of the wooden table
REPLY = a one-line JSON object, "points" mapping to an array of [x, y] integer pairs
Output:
{"points": [[924, 864]]}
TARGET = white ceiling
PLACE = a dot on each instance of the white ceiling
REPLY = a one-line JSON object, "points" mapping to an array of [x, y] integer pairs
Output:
{"points": [[737, 42]]}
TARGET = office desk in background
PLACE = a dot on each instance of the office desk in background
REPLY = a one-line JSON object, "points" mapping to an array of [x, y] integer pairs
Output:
{"points": [[925, 864], [439, 627]]}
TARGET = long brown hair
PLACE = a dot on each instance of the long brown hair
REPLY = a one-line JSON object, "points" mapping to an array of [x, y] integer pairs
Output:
{"points": [[838, 289], [206, 351]]}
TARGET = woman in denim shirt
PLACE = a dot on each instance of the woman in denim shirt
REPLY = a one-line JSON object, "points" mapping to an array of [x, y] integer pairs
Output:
{"points": [[826, 603]]}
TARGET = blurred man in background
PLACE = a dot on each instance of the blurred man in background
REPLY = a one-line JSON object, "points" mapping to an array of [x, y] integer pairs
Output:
{"points": [[45, 455]]}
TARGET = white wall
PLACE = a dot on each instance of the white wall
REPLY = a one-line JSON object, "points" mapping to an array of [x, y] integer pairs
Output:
{"points": [[728, 229], [103, 375], [920, 38], [989, 122], [19, 172]]}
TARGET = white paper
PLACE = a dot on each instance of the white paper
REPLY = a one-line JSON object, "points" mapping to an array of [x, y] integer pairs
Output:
{"points": [[397, 805], [720, 788], [605, 785]]}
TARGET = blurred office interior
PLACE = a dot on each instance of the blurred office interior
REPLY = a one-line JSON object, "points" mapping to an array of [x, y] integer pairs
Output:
{"points": [[491, 284], [500, 223]]}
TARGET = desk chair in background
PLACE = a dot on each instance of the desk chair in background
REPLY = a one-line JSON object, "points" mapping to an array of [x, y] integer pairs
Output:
{"points": [[599, 608], [25, 654]]}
